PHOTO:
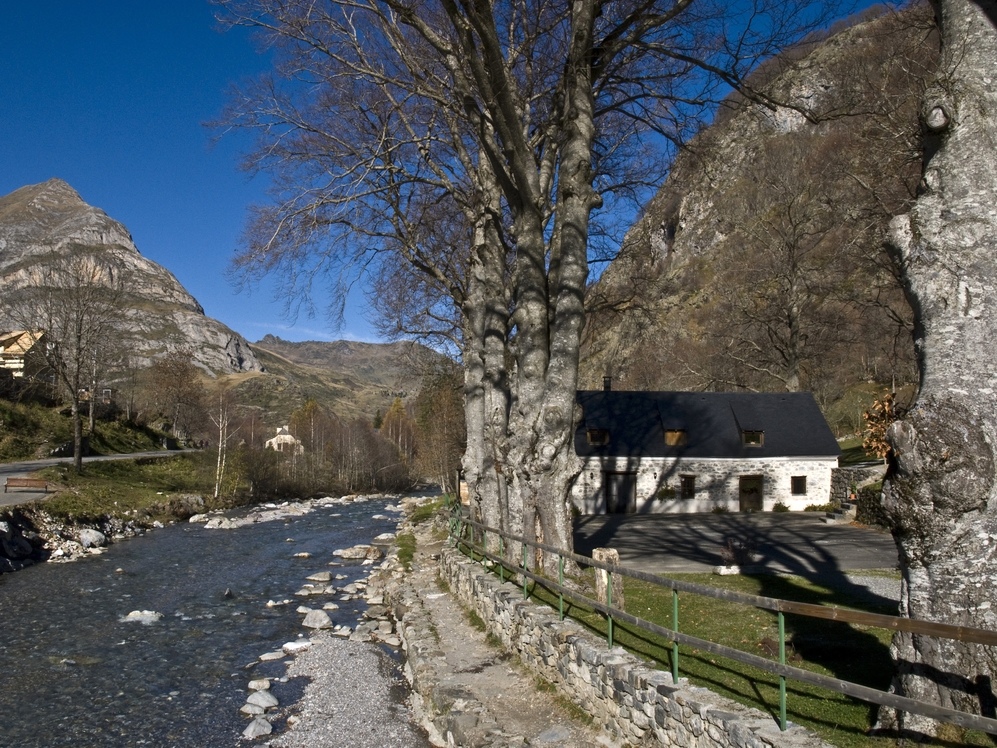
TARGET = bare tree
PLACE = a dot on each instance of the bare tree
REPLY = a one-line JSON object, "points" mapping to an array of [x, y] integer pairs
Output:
{"points": [[399, 429], [440, 427], [780, 314], [941, 492], [224, 418], [76, 297], [178, 392], [514, 120]]}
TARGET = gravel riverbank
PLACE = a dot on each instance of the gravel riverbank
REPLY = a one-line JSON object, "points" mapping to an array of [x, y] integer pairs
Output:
{"points": [[462, 689], [351, 700]]}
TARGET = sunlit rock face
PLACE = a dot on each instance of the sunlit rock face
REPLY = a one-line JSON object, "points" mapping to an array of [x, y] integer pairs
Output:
{"points": [[50, 218]]}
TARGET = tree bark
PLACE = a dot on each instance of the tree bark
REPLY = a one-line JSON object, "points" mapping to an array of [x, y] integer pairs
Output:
{"points": [[486, 407], [941, 494]]}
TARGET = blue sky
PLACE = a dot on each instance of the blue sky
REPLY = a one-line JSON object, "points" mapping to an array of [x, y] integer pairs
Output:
{"points": [[112, 96]]}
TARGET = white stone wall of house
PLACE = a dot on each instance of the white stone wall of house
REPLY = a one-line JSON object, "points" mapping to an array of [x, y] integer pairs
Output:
{"points": [[662, 486]]}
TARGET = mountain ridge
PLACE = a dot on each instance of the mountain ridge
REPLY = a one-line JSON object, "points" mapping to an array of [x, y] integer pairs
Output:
{"points": [[51, 219], [700, 295]]}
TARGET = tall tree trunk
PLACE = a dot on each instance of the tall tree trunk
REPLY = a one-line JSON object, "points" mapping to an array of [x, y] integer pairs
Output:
{"points": [[941, 494], [92, 415], [77, 417], [550, 315], [485, 384]]}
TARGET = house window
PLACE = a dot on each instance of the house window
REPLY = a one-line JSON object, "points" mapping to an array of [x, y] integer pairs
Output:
{"points": [[752, 438], [597, 437], [687, 486], [799, 485], [676, 437]]}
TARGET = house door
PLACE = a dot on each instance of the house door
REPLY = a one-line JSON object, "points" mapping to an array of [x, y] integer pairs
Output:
{"points": [[621, 493], [750, 493]]}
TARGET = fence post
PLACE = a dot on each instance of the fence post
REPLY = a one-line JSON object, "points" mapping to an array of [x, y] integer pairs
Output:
{"points": [[501, 559], [782, 678], [675, 628], [605, 580], [609, 619], [560, 582], [526, 594]]}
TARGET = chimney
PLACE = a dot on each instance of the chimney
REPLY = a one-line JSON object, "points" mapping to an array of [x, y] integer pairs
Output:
{"points": [[607, 383]]}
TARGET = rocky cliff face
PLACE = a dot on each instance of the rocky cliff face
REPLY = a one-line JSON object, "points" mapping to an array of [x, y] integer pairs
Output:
{"points": [[50, 218], [760, 263]]}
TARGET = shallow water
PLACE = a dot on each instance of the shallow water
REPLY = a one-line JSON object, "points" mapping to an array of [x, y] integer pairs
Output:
{"points": [[73, 673]]}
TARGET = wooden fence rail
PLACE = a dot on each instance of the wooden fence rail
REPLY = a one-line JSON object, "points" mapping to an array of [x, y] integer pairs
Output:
{"points": [[834, 613]]}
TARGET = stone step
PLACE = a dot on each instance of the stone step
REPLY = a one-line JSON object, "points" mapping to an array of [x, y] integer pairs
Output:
{"points": [[843, 514]]}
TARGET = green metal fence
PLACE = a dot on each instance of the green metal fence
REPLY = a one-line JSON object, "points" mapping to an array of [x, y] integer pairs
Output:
{"points": [[477, 548]]}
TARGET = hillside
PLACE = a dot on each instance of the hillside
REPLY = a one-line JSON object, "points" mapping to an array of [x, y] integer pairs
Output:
{"points": [[44, 223], [761, 263], [351, 379]]}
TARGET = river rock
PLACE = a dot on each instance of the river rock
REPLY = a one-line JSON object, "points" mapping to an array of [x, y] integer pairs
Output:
{"points": [[259, 684], [271, 656], [297, 646], [322, 576], [357, 552], [220, 523], [256, 728], [317, 619], [199, 518], [263, 699], [90, 538], [15, 548], [142, 616], [251, 709]]}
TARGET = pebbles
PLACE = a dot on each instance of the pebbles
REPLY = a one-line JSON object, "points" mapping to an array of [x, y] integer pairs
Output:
{"points": [[333, 652]]}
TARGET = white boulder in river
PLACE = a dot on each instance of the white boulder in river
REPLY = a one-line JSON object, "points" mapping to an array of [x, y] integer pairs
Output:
{"points": [[317, 619]]}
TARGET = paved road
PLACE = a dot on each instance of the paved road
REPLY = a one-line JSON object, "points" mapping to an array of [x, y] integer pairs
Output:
{"points": [[794, 542], [26, 468]]}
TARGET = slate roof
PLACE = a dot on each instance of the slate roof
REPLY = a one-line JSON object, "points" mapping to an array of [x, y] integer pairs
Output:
{"points": [[792, 424]]}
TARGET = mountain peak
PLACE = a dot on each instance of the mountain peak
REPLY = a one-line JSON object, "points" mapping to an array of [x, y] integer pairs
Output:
{"points": [[43, 221]]}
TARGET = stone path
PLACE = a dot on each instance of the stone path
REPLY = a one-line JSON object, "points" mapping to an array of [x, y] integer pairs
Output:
{"points": [[486, 697]]}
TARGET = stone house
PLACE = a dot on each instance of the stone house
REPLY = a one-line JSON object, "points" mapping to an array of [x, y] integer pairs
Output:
{"points": [[648, 452], [285, 441]]}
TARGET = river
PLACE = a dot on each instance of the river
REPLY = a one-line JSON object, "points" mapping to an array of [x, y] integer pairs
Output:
{"points": [[73, 672]]}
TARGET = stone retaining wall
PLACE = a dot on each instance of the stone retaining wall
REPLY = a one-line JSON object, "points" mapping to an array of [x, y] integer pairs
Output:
{"points": [[843, 478], [633, 702]]}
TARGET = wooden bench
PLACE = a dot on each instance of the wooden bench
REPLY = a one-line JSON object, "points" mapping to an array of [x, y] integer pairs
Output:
{"points": [[26, 483]]}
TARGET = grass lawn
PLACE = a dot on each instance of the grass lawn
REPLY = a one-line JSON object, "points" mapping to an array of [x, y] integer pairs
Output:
{"points": [[121, 487], [852, 453], [855, 653]]}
